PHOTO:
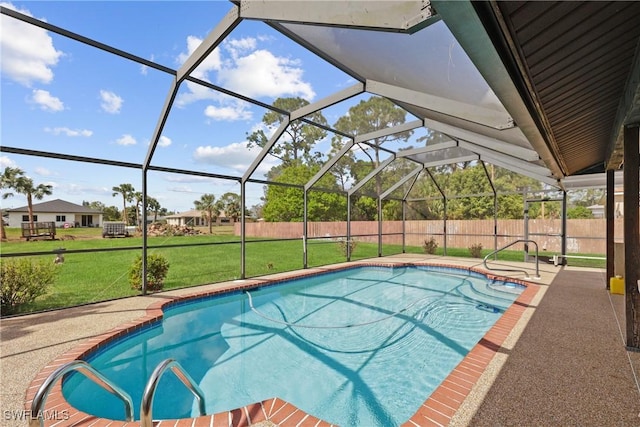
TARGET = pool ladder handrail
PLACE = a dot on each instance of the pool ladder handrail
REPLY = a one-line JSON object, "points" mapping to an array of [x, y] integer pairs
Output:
{"points": [[537, 276], [146, 405], [37, 405]]}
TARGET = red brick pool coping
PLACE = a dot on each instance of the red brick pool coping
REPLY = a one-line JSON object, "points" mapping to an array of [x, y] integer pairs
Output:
{"points": [[437, 410]]}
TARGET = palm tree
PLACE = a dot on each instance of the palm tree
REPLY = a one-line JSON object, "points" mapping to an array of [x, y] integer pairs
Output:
{"points": [[207, 204], [154, 206], [137, 196], [231, 205], [127, 192], [8, 181], [24, 185]]}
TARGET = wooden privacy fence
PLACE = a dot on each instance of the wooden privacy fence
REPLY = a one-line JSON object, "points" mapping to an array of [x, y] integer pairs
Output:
{"points": [[586, 236]]}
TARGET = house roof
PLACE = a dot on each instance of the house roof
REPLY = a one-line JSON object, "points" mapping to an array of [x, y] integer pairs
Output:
{"points": [[57, 206], [190, 214], [193, 213]]}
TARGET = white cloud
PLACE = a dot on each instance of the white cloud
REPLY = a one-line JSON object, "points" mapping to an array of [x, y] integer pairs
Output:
{"points": [[46, 101], [27, 51], [126, 140], [186, 178], [228, 113], [261, 73], [164, 141], [238, 46], [238, 65], [85, 190], [111, 103], [43, 171], [69, 132], [6, 162], [237, 156]]}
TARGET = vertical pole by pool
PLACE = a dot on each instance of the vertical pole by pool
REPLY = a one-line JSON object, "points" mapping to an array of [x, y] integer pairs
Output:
{"points": [[144, 232], [304, 228], [243, 200], [379, 226], [348, 227]]}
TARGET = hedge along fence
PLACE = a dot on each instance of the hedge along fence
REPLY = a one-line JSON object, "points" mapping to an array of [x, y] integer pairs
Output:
{"points": [[583, 235]]}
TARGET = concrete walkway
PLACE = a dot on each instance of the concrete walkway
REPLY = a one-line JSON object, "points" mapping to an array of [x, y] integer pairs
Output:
{"points": [[569, 367]]}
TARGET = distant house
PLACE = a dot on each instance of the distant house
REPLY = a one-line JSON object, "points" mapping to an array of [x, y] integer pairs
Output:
{"points": [[63, 213], [195, 218], [597, 210]]}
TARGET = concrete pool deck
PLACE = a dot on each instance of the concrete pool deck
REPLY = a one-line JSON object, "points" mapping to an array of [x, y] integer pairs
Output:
{"points": [[32, 342]]}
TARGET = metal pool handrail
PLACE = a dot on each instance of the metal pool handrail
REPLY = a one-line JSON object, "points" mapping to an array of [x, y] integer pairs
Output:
{"points": [[37, 405], [537, 276], [147, 397]]}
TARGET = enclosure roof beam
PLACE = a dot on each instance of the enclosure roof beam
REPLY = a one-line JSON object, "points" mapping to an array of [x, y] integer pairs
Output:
{"points": [[162, 120], [406, 194], [486, 172], [402, 181], [265, 150], [389, 131], [328, 165], [427, 149], [330, 100], [471, 113], [510, 166], [406, 16], [215, 37], [482, 140], [373, 173], [516, 162], [433, 179], [459, 159]]}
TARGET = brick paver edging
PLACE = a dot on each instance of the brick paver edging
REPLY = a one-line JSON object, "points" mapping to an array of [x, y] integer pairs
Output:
{"points": [[437, 410]]}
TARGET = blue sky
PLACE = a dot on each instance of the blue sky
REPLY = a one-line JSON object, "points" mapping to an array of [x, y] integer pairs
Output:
{"points": [[59, 95]]}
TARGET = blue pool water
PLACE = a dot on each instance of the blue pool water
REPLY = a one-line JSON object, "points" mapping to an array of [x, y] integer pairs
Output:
{"points": [[371, 345]]}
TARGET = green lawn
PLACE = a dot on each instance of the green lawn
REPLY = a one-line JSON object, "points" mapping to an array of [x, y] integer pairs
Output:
{"points": [[100, 275]]}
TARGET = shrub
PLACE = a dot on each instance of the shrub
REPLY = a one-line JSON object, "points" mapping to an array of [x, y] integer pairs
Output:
{"points": [[344, 244], [430, 246], [476, 250], [22, 281], [157, 269]]}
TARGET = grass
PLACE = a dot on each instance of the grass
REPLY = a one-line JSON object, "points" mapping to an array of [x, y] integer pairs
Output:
{"points": [[87, 277]]}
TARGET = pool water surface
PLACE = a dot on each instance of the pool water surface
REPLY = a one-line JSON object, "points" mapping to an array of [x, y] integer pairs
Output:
{"points": [[360, 346]]}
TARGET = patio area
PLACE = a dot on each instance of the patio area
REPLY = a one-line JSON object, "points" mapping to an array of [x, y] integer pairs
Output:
{"points": [[564, 363]]}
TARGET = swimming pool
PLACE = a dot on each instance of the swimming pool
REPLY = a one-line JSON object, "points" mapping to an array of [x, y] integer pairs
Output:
{"points": [[370, 344]]}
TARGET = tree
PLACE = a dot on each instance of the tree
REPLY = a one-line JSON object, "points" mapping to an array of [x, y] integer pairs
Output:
{"points": [[137, 197], [209, 208], [127, 191], [588, 197], [153, 205], [256, 211], [8, 180], [374, 114], [109, 213], [297, 143], [230, 204], [22, 184], [285, 203], [579, 212]]}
